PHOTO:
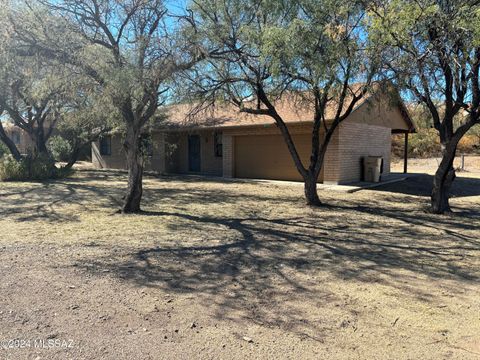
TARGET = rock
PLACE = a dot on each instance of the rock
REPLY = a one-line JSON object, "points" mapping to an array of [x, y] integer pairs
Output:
{"points": [[193, 325], [344, 323], [71, 286], [248, 339]]}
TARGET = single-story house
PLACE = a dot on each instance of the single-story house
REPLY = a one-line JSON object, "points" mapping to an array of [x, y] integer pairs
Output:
{"points": [[225, 142], [20, 138]]}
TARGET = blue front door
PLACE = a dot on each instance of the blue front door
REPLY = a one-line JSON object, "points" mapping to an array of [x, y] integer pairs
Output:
{"points": [[194, 160]]}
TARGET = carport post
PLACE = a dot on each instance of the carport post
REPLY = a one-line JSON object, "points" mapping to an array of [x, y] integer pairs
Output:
{"points": [[405, 154]]}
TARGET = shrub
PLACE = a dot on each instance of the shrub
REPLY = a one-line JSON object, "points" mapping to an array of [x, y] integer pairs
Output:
{"points": [[425, 143], [11, 169], [30, 168], [59, 148], [3, 149], [40, 168]]}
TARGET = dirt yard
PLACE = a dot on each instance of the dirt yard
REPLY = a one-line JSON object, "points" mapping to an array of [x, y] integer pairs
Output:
{"points": [[471, 165], [232, 270]]}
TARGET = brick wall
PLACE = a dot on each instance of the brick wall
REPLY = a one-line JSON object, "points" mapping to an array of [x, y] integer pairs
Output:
{"points": [[26, 144], [342, 164], [355, 141], [331, 166], [114, 161], [117, 159], [228, 156]]}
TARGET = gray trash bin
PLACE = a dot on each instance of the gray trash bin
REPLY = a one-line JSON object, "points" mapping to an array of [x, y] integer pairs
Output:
{"points": [[373, 168]]}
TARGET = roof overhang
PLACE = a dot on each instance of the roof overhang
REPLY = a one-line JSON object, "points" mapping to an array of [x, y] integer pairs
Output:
{"points": [[408, 119]]}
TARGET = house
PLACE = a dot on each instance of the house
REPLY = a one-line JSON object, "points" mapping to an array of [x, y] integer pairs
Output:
{"points": [[225, 142], [20, 138]]}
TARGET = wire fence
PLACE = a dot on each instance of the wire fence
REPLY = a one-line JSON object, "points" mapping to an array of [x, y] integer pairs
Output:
{"points": [[467, 162]]}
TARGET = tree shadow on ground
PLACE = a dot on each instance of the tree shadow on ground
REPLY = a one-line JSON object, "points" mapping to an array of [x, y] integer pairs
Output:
{"points": [[421, 185], [268, 269], [264, 256], [42, 200]]}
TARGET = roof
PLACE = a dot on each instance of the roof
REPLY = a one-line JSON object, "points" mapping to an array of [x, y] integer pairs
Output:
{"points": [[294, 109]]}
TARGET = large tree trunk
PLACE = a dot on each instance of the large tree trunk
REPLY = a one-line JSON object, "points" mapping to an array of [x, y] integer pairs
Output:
{"points": [[9, 143], [135, 172], [443, 180], [41, 142], [73, 158], [42, 148], [311, 194]]}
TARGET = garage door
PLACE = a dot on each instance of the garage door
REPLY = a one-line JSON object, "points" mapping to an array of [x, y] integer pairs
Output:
{"points": [[267, 157]]}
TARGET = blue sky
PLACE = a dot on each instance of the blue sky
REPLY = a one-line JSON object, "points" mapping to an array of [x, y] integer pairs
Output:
{"points": [[176, 6]]}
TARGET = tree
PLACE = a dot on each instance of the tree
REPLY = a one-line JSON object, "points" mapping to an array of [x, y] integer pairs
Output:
{"points": [[7, 142], [3, 149], [32, 93], [311, 52], [89, 117], [32, 105], [434, 53], [4, 40], [129, 49]]}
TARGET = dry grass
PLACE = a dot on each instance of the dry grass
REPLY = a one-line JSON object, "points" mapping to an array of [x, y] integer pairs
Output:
{"points": [[429, 166], [371, 275]]}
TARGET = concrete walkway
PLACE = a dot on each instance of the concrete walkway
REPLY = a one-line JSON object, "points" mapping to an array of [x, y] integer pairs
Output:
{"points": [[346, 188], [361, 185]]}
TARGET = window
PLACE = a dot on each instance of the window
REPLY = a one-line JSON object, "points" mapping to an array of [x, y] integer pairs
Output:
{"points": [[106, 145], [16, 138], [218, 144]]}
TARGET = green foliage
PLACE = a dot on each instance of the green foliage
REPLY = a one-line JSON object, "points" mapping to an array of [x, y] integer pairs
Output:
{"points": [[89, 117], [12, 170], [40, 168], [431, 49], [45, 90], [59, 148], [307, 47], [30, 168], [3, 149], [421, 116], [424, 144]]}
